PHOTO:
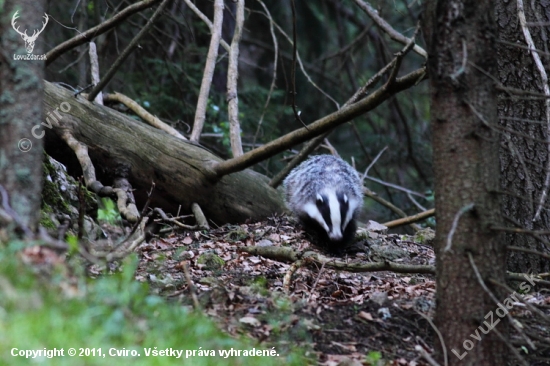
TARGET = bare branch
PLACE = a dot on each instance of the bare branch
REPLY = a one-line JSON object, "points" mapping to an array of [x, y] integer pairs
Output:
{"points": [[288, 254], [293, 68], [303, 69], [200, 113], [205, 19], [94, 64], [458, 215], [372, 163], [91, 33], [232, 76], [546, 88], [324, 124], [274, 77], [513, 322], [375, 197], [386, 27], [394, 186], [143, 114], [441, 340], [120, 60], [410, 219]]}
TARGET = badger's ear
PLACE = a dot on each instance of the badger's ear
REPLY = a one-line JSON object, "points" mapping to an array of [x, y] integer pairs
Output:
{"points": [[319, 199]]}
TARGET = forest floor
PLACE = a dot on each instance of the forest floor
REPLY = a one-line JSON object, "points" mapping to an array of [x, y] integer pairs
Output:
{"points": [[364, 318]]}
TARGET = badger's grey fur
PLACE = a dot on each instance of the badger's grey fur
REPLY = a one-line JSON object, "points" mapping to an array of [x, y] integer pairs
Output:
{"points": [[325, 193]]}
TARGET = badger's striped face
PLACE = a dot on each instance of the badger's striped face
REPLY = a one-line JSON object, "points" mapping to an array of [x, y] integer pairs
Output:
{"points": [[333, 211]]}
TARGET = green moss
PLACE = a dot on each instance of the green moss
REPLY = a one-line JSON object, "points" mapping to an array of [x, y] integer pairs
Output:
{"points": [[45, 218], [239, 234], [211, 261], [50, 192]]}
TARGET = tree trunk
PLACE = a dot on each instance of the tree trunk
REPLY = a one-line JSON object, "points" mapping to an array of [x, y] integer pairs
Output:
{"points": [[461, 41], [21, 93], [181, 170], [523, 160]]}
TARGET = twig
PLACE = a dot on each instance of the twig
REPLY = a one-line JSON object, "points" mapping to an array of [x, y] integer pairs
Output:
{"points": [[81, 152], [416, 203], [81, 209], [293, 68], [120, 60], [330, 148], [462, 68], [439, 335], [533, 309], [174, 220], [516, 353], [372, 163], [372, 81], [143, 113], [144, 210], [426, 355], [394, 186], [207, 21], [320, 126], [315, 283], [202, 102], [386, 27], [196, 303], [399, 58], [546, 88], [495, 300], [274, 75], [521, 277], [454, 226], [375, 197], [529, 187], [410, 219], [304, 71], [301, 156], [76, 93], [91, 33], [313, 257], [288, 275], [527, 250]]}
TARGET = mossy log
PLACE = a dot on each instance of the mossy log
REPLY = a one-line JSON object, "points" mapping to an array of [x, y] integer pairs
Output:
{"points": [[182, 171]]}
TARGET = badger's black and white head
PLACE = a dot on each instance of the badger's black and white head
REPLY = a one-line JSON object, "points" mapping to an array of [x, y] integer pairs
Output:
{"points": [[333, 211], [325, 193]]}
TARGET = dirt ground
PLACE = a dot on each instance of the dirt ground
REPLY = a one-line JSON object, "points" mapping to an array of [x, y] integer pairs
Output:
{"points": [[338, 315], [342, 316]]}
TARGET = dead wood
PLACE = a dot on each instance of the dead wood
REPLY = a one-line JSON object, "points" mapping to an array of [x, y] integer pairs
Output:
{"points": [[142, 113], [181, 170], [287, 254], [410, 219]]}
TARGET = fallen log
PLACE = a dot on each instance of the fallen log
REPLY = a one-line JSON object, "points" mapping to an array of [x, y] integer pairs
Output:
{"points": [[182, 171]]}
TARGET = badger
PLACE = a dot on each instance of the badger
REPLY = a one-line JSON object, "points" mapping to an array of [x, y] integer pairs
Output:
{"points": [[325, 193]]}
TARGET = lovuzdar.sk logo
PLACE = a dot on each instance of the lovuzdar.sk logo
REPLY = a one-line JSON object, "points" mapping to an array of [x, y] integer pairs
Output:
{"points": [[29, 40]]}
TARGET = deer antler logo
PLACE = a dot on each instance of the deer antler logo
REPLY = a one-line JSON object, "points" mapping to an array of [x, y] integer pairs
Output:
{"points": [[29, 40]]}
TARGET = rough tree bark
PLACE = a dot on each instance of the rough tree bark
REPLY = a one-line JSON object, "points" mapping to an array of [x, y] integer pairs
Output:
{"points": [[179, 168], [21, 93], [461, 44], [523, 160]]}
